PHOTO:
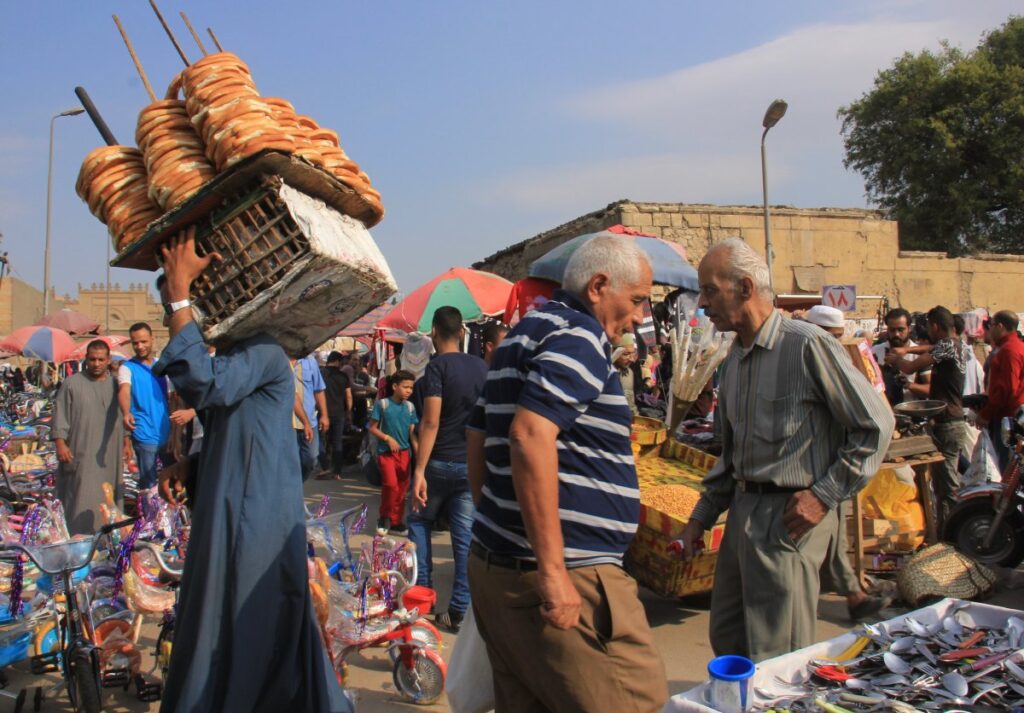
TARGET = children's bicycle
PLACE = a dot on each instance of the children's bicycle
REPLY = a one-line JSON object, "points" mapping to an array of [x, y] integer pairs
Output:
{"points": [[77, 658], [419, 671]]}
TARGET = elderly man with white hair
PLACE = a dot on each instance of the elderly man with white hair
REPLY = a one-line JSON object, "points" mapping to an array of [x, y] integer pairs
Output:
{"points": [[552, 471], [802, 430]]}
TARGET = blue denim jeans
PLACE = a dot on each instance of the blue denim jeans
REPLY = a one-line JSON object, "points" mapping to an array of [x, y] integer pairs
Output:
{"points": [[308, 452], [145, 458], [447, 486]]}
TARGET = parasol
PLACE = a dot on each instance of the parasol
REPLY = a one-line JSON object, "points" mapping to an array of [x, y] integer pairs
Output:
{"points": [[114, 341], [35, 342], [474, 293], [71, 321], [367, 324], [667, 258]]}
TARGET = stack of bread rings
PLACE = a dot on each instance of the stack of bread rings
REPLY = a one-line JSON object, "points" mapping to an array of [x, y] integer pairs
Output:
{"points": [[173, 153], [227, 111], [112, 181], [184, 144]]}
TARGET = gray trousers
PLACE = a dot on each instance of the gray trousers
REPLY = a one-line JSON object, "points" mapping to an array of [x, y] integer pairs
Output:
{"points": [[837, 573], [951, 439], [765, 597]]}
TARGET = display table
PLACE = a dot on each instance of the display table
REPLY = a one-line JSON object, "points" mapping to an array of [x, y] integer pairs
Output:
{"points": [[790, 665]]}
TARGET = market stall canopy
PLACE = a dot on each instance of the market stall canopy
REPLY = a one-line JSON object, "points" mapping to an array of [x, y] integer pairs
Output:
{"points": [[35, 342], [474, 293], [367, 324], [668, 259], [114, 341], [71, 321]]}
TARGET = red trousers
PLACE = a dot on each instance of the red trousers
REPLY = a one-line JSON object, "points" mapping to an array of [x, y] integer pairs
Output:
{"points": [[394, 484]]}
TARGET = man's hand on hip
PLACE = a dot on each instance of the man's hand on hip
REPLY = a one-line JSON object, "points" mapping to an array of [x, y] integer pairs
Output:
{"points": [[803, 511], [561, 603]]}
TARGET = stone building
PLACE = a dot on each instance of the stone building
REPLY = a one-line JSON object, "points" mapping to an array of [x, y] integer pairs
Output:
{"points": [[21, 304], [812, 247]]}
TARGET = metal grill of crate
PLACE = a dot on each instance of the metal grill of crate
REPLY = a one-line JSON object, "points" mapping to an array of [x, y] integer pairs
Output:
{"points": [[259, 241]]}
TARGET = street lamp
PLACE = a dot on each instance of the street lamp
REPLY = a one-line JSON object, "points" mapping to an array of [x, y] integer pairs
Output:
{"points": [[49, 201], [776, 110]]}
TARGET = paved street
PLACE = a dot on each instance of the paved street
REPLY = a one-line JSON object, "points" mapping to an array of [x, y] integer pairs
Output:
{"points": [[680, 628]]}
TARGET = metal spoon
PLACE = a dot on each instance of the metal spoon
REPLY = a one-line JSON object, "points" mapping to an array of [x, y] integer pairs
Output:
{"points": [[955, 684], [895, 664]]}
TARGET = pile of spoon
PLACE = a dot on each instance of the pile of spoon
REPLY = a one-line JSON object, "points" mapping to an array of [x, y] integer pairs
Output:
{"points": [[906, 666]]}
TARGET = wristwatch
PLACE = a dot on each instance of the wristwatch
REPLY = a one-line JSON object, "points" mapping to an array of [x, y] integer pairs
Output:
{"points": [[171, 308]]}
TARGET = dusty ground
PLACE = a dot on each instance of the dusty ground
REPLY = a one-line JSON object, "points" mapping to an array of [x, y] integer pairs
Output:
{"points": [[680, 629]]}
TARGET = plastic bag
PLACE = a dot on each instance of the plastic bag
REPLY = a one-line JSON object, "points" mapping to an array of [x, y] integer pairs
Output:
{"points": [[470, 684], [984, 464]]}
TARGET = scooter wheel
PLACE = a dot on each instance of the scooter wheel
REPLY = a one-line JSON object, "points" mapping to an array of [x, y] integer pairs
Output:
{"points": [[1007, 548], [423, 682], [37, 699]]}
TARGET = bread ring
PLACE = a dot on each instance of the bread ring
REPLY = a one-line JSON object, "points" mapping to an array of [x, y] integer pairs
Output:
{"points": [[100, 158]]}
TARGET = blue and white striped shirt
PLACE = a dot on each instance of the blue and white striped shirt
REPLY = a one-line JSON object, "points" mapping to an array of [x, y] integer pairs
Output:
{"points": [[557, 363]]}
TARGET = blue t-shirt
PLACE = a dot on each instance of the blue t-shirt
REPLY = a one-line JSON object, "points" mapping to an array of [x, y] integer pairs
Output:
{"points": [[395, 420], [457, 378], [149, 404], [312, 381]]}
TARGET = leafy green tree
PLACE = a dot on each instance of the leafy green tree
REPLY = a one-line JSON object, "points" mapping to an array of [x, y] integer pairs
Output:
{"points": [[939, 140]]}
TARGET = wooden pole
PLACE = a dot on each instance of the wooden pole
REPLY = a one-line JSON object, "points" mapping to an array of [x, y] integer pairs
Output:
{"points": [[170, 35], [195, 36], [215, 40], [135, 59]]}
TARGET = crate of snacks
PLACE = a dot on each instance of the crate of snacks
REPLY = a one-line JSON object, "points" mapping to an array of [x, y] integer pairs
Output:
{"points": [[664, 511]]}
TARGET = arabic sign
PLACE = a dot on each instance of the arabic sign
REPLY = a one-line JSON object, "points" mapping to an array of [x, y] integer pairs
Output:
{"points": [[842, 297]]}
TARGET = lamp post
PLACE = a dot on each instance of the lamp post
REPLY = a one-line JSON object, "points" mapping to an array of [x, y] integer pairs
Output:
{"points": [[49, 202], [776, 110]]}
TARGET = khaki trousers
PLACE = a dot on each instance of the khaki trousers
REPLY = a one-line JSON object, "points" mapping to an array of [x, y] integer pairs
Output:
{"points": [[606, 663], [765, 597]]}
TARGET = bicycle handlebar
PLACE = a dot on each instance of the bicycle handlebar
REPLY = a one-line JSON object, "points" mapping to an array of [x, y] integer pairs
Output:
{"points": [[158, 552]]}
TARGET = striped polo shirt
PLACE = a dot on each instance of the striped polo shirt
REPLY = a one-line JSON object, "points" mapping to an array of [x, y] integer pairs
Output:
{"points": [[557, 363]]}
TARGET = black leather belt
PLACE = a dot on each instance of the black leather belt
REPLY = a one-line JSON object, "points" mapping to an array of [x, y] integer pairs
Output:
{"points": [[499, 560], [750, 487]]}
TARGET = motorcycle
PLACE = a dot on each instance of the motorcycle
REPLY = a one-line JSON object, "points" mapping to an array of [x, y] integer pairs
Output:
{"points": [[987, 523]]}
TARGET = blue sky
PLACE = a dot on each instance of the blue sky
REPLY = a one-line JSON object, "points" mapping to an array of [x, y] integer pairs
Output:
{"points": [[481, 123]]}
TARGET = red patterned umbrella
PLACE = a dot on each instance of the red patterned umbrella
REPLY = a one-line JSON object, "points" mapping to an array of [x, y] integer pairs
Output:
{"points": [[114, 341], [35, 342], [71, 321]]}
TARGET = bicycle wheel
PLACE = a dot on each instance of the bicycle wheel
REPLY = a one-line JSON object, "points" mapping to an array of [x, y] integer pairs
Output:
{"points": [[84, 690], [424, 682], [424, 632]]}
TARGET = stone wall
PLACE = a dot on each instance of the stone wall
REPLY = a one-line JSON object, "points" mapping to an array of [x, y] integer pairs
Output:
{"points": [[21, 304], [813, 247]]}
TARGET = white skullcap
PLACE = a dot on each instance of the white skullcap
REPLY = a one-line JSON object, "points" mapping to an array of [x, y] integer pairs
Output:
{"points": [[824, 316]]}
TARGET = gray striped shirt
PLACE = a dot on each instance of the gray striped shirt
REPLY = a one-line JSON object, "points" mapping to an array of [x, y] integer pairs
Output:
{"points": [[794, 411]]}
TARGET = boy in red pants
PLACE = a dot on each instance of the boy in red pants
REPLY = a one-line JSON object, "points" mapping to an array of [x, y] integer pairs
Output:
{"points": [[392, 423]]}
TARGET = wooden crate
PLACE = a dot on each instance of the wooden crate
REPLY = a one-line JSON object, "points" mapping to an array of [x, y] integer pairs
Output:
{"points": [[299, 263]]}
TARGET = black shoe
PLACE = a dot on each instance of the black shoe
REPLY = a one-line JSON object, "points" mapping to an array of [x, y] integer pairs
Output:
{"points": [[452, 621], [383, 523], [401, 529], [869, 608]]}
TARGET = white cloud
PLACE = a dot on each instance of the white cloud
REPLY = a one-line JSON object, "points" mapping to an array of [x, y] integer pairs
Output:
{"points": [[692, 135]]}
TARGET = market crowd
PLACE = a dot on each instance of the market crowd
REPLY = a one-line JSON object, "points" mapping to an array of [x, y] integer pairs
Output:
{"points": [[522, 451]]}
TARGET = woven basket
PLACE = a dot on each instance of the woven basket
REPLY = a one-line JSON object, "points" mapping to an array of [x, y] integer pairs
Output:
{"points": [[940, 571]]}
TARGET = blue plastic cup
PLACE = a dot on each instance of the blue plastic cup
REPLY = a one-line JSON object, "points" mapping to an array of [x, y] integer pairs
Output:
{"points": [[728, 691]]}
